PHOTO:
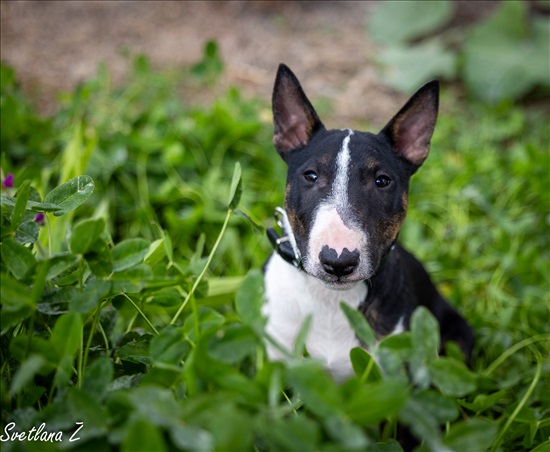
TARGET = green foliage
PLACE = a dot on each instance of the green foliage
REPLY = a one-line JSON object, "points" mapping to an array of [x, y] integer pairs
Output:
{"points": [[399, 22], [211, 66], [504, 56], [132, 310], [360, 325]]}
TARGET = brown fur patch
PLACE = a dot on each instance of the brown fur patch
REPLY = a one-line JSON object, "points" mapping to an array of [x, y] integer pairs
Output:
{"points": [[296, 226], [373, 166], [287, 190], [325, 160], [405, 201], [392, 226]]}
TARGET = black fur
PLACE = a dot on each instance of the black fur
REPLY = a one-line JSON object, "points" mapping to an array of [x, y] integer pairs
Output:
{"points": [[402, 284]]}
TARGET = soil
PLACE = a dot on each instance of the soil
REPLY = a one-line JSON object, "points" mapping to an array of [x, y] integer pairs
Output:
{"points": [[54, 45]]}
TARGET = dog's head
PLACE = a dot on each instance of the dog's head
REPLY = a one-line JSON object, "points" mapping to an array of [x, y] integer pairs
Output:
{"points": [[346, 193]]}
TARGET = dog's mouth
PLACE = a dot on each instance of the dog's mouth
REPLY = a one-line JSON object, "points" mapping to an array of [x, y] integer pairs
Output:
{"points": [[340, 285], [337, 282]]}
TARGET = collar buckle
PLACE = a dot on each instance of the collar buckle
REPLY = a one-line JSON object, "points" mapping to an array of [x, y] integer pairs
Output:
{"points": [[285, 244]]}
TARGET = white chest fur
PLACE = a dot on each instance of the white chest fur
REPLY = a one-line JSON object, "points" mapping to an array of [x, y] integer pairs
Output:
{"points": [[292, 296]]}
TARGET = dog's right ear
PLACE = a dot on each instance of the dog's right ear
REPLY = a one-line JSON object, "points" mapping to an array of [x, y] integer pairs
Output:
{"points": [[294, 119]]}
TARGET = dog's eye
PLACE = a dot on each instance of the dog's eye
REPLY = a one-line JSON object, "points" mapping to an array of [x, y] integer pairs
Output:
{"points": [[382, 181], [310, 176]]}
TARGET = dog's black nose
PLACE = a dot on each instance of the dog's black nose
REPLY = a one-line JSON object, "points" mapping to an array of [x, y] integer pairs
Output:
{"points": [[339, 266]]}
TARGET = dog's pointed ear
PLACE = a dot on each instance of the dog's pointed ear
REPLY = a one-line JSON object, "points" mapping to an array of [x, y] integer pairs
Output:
{"points": [[411, 129], [294, 118]]}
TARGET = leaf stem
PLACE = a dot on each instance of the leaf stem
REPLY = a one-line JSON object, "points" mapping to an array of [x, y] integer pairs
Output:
{"points": [[367, 370], [47, 221], [89, 342], [142, 314], [509, 352], [105, 339], [200, 277], [80, 361], [520, 405]]}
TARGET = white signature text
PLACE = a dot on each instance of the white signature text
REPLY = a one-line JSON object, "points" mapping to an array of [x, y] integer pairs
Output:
{"points": [[37, 434]]}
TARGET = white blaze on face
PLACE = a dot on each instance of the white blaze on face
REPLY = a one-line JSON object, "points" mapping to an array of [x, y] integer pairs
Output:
{"points": [[340, 186], [329, 228]]}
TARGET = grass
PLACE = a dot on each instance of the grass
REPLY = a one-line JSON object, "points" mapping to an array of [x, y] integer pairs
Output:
{"points": [[135, 308]]}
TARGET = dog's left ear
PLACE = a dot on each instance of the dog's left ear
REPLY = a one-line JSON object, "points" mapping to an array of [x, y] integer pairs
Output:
{"points": [[410, 130], [294, 118]]}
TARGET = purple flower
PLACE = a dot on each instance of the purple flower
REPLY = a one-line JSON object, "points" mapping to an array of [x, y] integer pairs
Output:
{"points": [[39, 218], [8, 181]]}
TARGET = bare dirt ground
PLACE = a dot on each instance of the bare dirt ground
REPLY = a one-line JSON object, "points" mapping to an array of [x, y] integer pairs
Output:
{"points": [[54, 45]]}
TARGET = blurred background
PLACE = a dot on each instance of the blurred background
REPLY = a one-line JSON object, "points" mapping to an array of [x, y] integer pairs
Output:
{"points": [[359, 55]]}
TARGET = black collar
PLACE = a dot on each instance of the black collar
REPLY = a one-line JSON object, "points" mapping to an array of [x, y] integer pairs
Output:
{"points": [[284, 245]]}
